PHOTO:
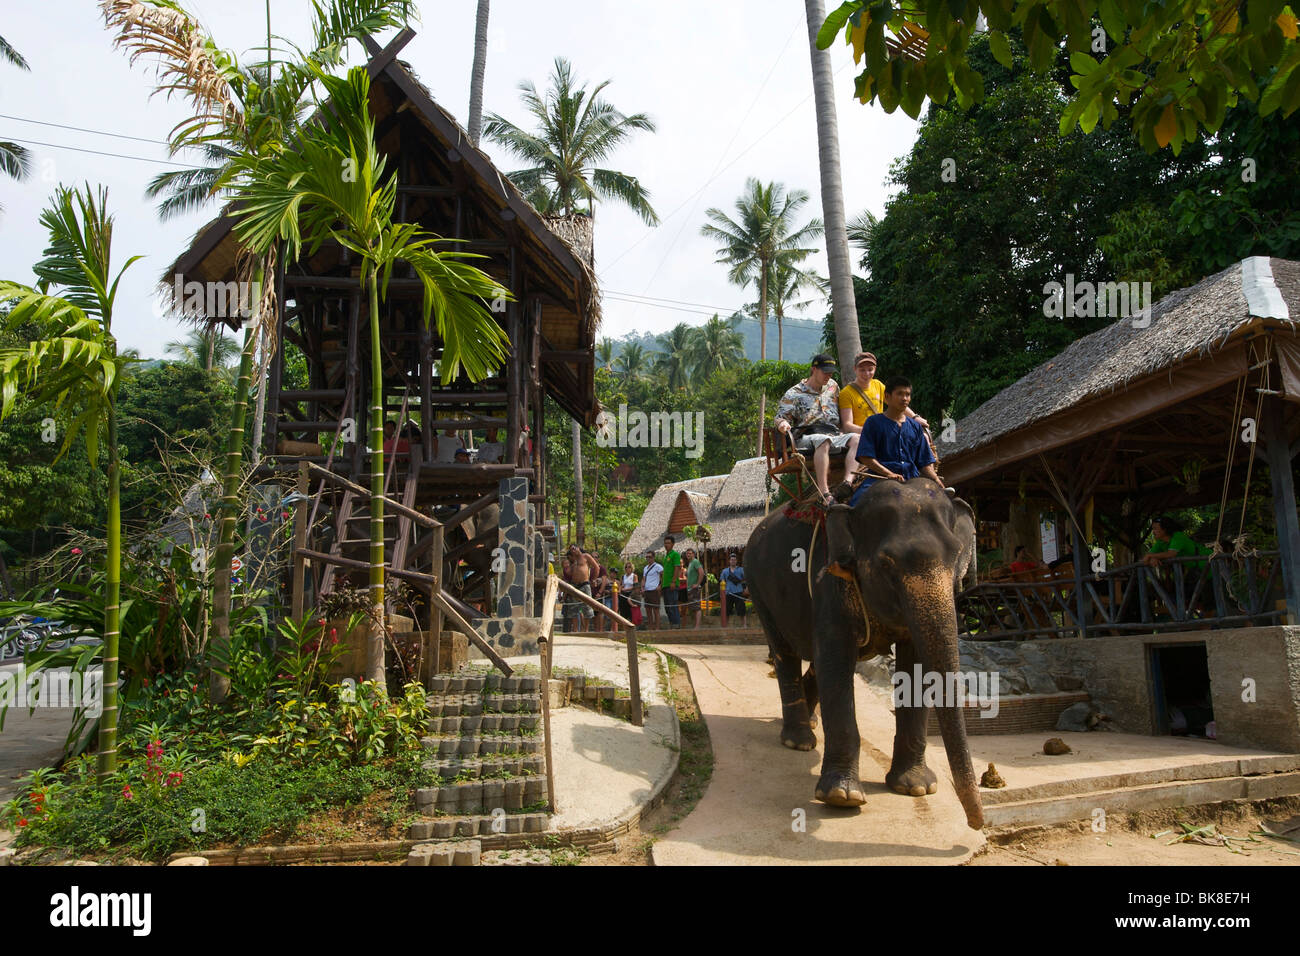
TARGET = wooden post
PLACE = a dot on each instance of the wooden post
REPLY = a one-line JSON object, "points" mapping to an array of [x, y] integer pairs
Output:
{"points": [[300, 542], [435, 612], [544, 650], [762, 421], [633, 665], [1278, 453], [514, 366]]}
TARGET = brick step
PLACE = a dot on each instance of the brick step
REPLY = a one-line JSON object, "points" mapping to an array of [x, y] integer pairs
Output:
{"points": [[482, 796], [447, 828], [477, 767], [457, 746], [493, 683], [485, 724]]}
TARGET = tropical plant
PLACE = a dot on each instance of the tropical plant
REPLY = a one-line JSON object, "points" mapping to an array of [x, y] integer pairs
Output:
{"points": [[204, 348], [862, 230], [576, 130], [14, 159], [788, 283], [632, 362], [303, 197], [240, 115], [717, 345], [675, 362], [75, 360], [605, 354], [1175, 68], [763, 232], [848, 340]]}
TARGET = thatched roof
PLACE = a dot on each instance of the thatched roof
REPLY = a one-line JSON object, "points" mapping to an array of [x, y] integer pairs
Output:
{"points": [[650, 530], [1192, 324], [731, 505]]}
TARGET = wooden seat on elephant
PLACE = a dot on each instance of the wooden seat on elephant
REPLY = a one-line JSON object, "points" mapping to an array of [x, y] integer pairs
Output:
{"points": [[792, 470]]}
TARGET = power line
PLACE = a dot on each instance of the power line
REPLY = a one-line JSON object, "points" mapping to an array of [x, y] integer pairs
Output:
{"points": [[82, 129], [100, 152], [730, 314]]}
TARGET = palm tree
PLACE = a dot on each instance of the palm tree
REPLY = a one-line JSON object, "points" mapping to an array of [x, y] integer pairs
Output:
{"points": [[14, 159], [576, 130], [632, 362], [788, 282], [763, 232], [718, 345], [204, 348], [862, 231], [605, 353], [76, 361], [848, 338], [675, 361], [298, 197], [477, 72], [240, 115]]}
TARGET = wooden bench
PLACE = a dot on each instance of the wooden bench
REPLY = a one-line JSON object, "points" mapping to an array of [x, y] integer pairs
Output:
{"points": [[791, 470]]}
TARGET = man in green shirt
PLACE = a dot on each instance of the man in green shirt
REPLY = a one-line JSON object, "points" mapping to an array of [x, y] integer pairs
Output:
{"points": [[1177, 542], [694, 584], [672, 562]]}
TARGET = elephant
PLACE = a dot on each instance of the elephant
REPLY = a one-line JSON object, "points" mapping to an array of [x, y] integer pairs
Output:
{"points": [[906, 546]]}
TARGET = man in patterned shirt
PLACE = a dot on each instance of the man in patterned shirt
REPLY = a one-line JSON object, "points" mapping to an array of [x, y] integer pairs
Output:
{"points": [[809, 413]]}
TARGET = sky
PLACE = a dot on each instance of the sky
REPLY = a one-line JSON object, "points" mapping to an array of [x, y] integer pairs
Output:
{"points": [[728, 84]]}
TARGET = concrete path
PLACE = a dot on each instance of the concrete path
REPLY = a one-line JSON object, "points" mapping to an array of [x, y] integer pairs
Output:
{"points": [[761, 791], [29, 740]]}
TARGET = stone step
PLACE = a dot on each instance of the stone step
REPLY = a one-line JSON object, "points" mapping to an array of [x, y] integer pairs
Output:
{"points": [[471, 705], [477, 767], [464, 853], [523, 724], [446, 828], [469, 746], [482, 796], [492, 683]]}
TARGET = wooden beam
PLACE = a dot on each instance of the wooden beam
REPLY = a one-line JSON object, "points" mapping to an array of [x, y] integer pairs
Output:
{"points": [[381, 58], [396, 506], [470, 631], [1278, 453], [471, 510], [578, 356], [545, 647]]}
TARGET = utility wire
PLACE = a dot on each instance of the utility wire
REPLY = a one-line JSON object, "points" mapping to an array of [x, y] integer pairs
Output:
{"points": [[100, 152], [82, 129]]}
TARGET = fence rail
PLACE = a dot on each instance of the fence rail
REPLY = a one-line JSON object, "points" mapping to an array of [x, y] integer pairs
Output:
{"points": [[1180, 593]]}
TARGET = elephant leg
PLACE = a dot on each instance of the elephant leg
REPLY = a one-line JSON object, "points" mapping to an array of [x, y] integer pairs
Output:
{"points": [[796, 728], [908, 773], [834, 656], [810, 694]]}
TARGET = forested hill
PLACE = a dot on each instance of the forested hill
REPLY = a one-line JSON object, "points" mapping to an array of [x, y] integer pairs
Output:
{"points": [[803, 339]]}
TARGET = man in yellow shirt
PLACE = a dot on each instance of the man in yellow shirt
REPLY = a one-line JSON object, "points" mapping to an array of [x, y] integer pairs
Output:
{"points": [[863, 397]]}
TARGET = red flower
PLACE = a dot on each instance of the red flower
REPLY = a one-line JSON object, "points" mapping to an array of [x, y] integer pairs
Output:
{"points": [[38, 798], [334, 632], [126, 792], [207, 516], [167, 693], [285, 515], [22, 821], [195, 687], [76, 551]]}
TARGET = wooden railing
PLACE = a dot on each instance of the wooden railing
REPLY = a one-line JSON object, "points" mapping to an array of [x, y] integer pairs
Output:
{"points": [[1179, 594]]}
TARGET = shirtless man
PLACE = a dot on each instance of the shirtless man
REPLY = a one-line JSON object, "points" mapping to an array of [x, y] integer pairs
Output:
{"points": [[583, 568]]}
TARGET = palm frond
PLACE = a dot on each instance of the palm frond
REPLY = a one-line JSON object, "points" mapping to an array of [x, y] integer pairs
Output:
{"points": [[15, 160], [7, 52]]}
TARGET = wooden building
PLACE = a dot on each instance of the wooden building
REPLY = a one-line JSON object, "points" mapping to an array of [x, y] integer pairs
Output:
{"points": [[451, 189]]}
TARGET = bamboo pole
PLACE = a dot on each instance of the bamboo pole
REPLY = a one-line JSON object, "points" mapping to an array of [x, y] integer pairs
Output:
{"points": [[545, 649]]}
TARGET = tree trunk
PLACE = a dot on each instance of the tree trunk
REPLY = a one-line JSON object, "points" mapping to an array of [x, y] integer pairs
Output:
{"points": [[848, 338], [762, 312], [780, 336], [580, 530], [219, 685], [259, 417], [478, 72], [375, 642], [107, 763]]}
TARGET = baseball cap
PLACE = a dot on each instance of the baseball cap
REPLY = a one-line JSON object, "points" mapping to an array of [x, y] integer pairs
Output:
{"points": [[824, 362], [863, 355]]}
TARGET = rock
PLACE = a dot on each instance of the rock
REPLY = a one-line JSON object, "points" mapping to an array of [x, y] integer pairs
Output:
{"points": [[1055, 747], [1068, 682], [1039, 681], [6, 856], [991, 779], [1075, 717], [1006, 656], [189, 861]]}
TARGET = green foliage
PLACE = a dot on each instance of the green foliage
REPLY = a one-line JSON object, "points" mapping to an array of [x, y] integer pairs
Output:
{"points": [[1176, 67]]}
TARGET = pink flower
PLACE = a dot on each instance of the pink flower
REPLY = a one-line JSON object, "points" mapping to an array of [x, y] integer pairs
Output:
{"points": [[76, 551], [126, 792]]}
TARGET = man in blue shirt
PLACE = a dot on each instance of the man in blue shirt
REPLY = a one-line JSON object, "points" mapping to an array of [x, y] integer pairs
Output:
{"points": [[892, 445]]}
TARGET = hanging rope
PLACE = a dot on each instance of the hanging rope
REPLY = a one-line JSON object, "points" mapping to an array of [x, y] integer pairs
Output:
{"points": [[1060, 496]]}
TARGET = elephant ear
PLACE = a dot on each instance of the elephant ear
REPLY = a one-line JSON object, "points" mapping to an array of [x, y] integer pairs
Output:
{"points": [[963, 527]]}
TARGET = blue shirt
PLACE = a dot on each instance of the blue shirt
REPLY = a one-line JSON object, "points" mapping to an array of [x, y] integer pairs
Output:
{"points": [[903, 449], [734, 578]]}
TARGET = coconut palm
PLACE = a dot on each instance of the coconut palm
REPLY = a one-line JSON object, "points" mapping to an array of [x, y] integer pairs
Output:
{"points": [[14, 159], [576, 130], [605, 353], [848, 338], [717, 345], [763, 232], [632, 362], [478, 72], [674, 363], [862, 231], [241, 114], [204, 348], [788, 284], [76, 361], [298, 197]]}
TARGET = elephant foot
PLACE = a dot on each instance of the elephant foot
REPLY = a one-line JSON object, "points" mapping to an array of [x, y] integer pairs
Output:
{"points": [[913, 782], [840, 789], [798, 738]]}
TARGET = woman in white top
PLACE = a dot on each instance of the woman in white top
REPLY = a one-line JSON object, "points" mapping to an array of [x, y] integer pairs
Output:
{"points": [[630, 582]]}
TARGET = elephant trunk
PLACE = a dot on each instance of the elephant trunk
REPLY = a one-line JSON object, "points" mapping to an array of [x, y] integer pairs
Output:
{"points": [[932, 617]]}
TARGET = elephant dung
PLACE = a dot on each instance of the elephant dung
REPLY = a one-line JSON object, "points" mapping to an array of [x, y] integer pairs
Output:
{"points": [[1055, 747]]}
